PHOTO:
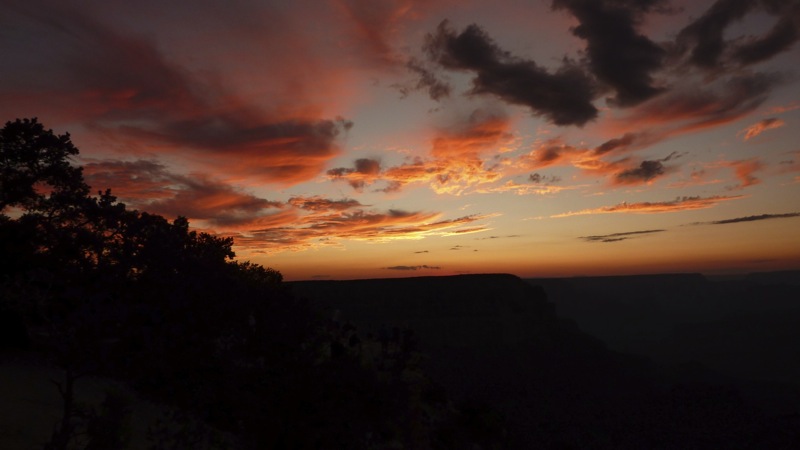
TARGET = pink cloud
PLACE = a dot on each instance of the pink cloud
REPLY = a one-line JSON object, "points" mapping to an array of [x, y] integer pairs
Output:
{"points": [[745, 170], [760, 127], [126, 87]]}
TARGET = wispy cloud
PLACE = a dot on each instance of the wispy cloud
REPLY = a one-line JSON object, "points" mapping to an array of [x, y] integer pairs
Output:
{"points": [[616, 237], [760, 127], [745, 172], [332, 229], [317, 203], [424, 266], [679, 204], [498, 237], [750, 219]]}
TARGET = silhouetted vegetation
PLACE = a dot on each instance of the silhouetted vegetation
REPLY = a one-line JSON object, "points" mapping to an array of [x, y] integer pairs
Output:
{"points": [[99, 289]]}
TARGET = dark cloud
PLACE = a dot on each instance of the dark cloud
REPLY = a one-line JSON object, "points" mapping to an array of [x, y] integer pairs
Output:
{"points": [[647, 171], [538, 178], [426, 79], [364, 171], [422, 251], [564, 97], [698, 108], [705, 41], [317, 203], [411, 267], [498, 237], [618, 55], [616, 237], [367, 166], [751, 218], [705, 36], [623, 142], [780, 38]]}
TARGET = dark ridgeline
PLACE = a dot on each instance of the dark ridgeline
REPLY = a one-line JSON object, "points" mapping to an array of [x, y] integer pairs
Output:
{"points": [[743, 329], [237, 359], [744, 326], [496, 339]]}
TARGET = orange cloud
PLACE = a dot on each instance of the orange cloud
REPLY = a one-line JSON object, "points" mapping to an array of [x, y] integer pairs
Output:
{"points": [[623, 171], [331, 229], [760, 127], [785, 108], [526, 189], [744, 171], [552, 152], [317, 203], [456, 164], [149, 185], [697, 177], [688, 108], [256, 224], [679, 204]]}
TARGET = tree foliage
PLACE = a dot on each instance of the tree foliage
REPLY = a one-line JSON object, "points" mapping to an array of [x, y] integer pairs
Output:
{"points": [[102, 289]]}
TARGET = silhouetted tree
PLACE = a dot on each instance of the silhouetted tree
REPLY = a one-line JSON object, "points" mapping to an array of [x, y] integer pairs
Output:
{"points": [[35, 169], [100, 289]]}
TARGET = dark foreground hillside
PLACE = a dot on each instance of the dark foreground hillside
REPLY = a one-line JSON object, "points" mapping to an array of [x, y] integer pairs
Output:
{"points": [[742, 326], [496, 340]]}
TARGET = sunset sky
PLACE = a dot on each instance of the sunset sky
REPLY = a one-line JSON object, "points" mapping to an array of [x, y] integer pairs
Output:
{"points": [[367, 138]]}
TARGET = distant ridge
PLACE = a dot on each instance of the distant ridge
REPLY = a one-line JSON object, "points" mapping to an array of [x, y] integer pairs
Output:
{"points": [[438, 309], [496, 338]]}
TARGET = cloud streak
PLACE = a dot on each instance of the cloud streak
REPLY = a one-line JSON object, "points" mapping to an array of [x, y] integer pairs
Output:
{"points": [[679, 204], [331, 229], [616, 237], [750, 219], [760, 127], [424, 266]]}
